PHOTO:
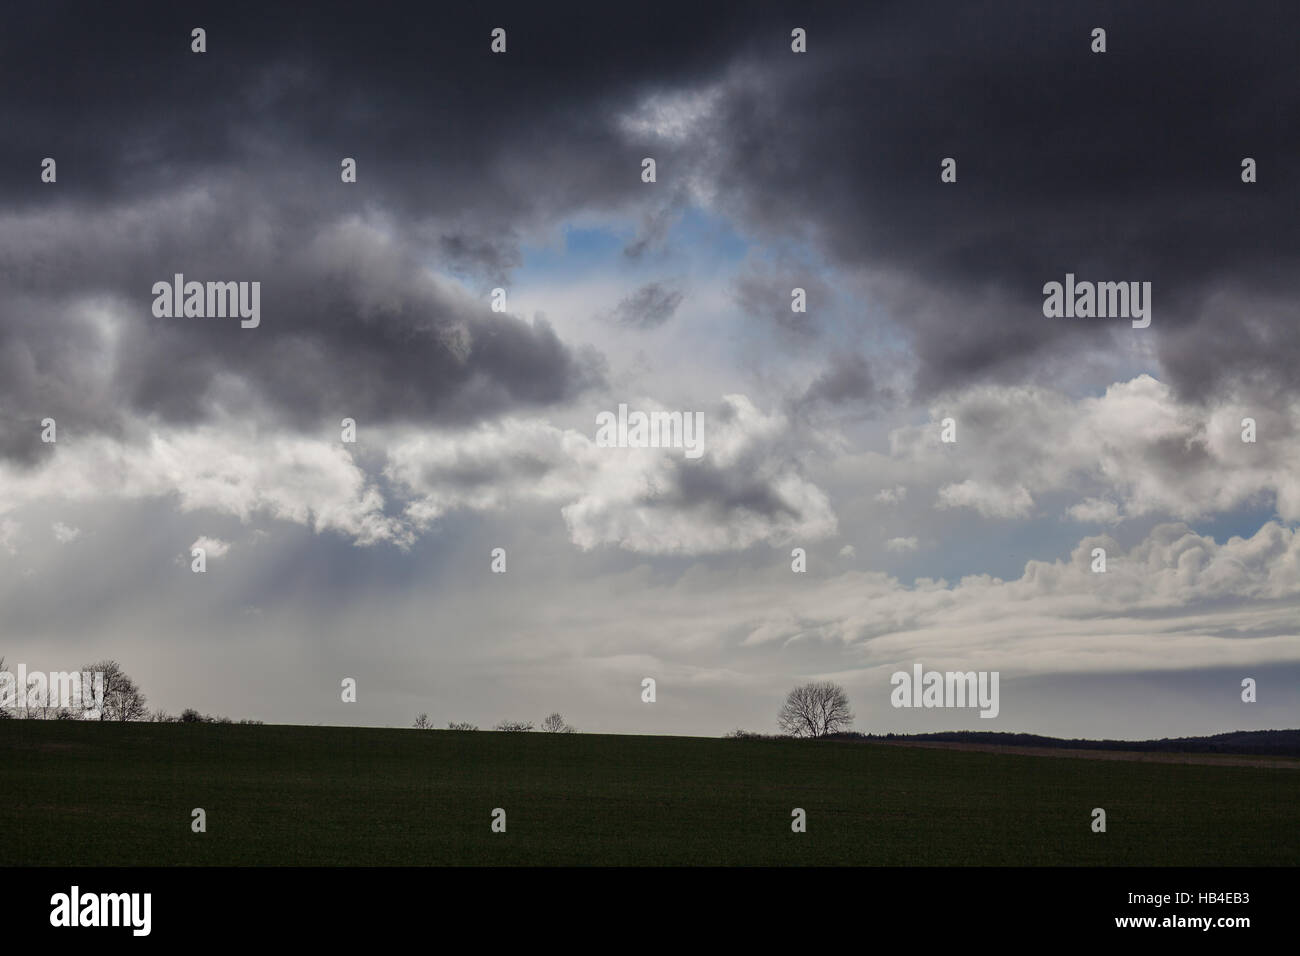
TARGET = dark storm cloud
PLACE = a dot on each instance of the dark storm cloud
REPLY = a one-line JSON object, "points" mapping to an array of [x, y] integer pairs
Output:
{"points": [[721, 493], [649, 306], [437, 122], [767, 293], [225, 165], [1123, 165], [1116, 166], [1239, 336], [490, 257], [351, 325], [847, 379]]}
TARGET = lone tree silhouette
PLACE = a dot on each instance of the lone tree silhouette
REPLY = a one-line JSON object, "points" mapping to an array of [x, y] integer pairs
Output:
{"points": [[554, 724], [815, 710], [123, 699]]}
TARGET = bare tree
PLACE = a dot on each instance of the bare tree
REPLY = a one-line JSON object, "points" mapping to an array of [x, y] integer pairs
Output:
{"points": [[43, 705], [554, 724], [461, 725], [422, 722], [123, 700], [24, 707], [815, 710], [4, 712], [27, 706], [514, 726]]}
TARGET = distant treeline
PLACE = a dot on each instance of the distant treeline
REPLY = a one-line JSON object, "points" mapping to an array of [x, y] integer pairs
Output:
{"points": [[1276, 743]]}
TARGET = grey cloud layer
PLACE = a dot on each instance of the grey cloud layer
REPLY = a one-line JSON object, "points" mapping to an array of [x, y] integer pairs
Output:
{"points": [[352, 325], [1119, 166]]}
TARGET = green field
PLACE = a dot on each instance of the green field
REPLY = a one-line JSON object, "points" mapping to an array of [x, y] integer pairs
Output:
{"points": [[82, 794]]}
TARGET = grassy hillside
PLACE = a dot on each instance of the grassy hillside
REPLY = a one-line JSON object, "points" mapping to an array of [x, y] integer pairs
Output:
{"points": [[74, 793]]}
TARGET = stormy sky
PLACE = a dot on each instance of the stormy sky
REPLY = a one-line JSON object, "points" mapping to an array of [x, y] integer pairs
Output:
{"points": [[476, 429]]}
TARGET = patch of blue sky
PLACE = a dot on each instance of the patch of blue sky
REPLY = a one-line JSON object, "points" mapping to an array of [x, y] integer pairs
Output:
{"points": [[1242, 522], [966, 543], [697, 243]]}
